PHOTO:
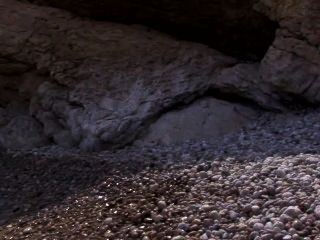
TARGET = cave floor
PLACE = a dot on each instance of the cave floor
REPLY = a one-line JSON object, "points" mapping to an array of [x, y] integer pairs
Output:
{"points": [[262, 182]]}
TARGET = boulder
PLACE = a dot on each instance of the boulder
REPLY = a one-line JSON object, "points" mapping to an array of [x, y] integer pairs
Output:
{"points": [[205, 119], [291, 66], [22, 132]]}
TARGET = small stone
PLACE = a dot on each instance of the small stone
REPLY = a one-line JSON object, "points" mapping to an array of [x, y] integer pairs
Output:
{"points": [[162, 205], [296, 237], [258, 227], [278, 236], [255, 209], [184, 226], [317, 212], [298, 225], [293, 211], [214, 215], [204, 237], [178, 238], [108, 234], [268, 226], [206, 208], [157, 218], [196, 221], [287, 237], [27, 230], [134, 233], [203, 174], [194, 227], [207, 222], [234, 215], [154, 187], [253, 235], [279, 225], [108, 220], [267, 236], [284, 218], [292, 231], [280, 173]]}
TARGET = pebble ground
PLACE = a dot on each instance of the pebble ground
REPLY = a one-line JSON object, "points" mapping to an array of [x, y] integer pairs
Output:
{"points": [[260, 183]]}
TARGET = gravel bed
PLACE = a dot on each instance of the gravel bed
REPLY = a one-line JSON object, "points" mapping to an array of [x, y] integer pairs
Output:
{"points": [[260, 183]]}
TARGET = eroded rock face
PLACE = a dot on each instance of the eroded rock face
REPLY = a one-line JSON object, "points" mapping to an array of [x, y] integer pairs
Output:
{"points": [[106, 80], [94, 84], [291, 67], [205, 119], [18, 130]]}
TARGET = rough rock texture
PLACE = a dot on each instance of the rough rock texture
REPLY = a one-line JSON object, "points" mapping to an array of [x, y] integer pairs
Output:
{"points": [[292, 64], [101, 83], [17, 86], [106, 79], [205, 119], [22, 132]]}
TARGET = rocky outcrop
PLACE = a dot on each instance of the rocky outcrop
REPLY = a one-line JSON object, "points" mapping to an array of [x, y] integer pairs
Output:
{"points": [[292, 64], [105, 80], [205, 119], [96, 84], [18, 83]]}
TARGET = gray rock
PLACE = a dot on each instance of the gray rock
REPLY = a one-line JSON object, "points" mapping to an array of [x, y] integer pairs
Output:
{"points": [[184, 226], [205, 119], [22, 132], [178, 238], [258, 227], [317, 212], [292, 211], [162, 205]]}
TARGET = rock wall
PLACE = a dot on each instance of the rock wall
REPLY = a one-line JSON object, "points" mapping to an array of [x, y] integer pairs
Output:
{"points": [[96, 84], [292, 64]]}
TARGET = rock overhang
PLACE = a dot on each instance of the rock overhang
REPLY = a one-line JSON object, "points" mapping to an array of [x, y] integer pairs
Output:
{"points": [[233, 27]]}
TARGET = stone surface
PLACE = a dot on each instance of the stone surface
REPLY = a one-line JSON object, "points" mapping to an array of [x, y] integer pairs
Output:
{"points": [[22, 132], [95, 84], [106, 80], [205, 119], [292, 63]]}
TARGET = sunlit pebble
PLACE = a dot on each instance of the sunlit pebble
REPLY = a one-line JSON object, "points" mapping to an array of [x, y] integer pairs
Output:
{"points": [[27, 230], [108, 220], [255, 209], [162, 205], [178, 238]]}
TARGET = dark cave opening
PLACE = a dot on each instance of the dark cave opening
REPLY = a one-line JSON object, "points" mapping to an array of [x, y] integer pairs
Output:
{"points": [[230, 26]]}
